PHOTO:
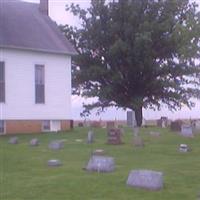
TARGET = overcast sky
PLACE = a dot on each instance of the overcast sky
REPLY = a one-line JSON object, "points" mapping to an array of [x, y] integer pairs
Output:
{"points": [[58, 14]]}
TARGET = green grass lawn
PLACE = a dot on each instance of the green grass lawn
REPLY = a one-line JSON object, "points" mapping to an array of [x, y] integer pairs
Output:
{"points": [[24, 174]]}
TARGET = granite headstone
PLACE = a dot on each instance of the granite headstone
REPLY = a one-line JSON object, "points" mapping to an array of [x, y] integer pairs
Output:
{"points": [[114, 136], [146, 179], [101, 164]]}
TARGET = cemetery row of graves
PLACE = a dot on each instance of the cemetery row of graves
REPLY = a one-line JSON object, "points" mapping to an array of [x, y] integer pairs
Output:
{"points": [[138, 160]]}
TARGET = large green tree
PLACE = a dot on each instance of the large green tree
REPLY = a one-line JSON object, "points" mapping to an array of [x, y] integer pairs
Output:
{"points": [[137, 53]]}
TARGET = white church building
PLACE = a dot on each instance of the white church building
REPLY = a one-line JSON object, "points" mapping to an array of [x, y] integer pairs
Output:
{"points": [[35, 70]]}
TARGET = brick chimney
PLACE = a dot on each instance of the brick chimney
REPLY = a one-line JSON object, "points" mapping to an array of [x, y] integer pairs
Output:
{"points": [[44, 7]]}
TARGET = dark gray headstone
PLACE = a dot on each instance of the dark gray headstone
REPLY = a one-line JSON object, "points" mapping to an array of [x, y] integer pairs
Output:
{"points": [[54, 163], [34, 142], [56, 144], [147, 179], [186, 131], [101, 164], [90, 137], [13, 140]]}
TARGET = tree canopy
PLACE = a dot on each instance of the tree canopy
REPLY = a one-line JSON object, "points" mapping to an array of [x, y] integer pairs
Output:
{"points": [[137, 53]]}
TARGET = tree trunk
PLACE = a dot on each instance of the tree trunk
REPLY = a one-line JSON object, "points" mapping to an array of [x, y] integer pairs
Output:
{"points": [[138, 116]]}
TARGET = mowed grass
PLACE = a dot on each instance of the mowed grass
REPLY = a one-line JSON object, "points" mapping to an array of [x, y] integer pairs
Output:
{"points": [[24, 174]]}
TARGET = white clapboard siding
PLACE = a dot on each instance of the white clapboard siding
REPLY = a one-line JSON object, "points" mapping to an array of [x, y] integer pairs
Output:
{"points": [[20, 85]]}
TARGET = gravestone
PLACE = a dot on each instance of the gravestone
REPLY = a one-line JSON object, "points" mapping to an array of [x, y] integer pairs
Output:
{"points": [[131, 121], [146, 179], [34, 142], [162, 122], [183, 148], [110, 124], [196, 126], [114, 136], [96, 124], [98, 152], [13, 140], [90, 137], [101, 164], [78, 140], [138, 141], [186, 130], [56, 144], [176, 125], [154, 134], [54, 163]]}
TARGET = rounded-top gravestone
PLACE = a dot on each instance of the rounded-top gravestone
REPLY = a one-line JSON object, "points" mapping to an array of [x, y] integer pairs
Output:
{"points": [[146, 179], [13, 140], [101, 164]]}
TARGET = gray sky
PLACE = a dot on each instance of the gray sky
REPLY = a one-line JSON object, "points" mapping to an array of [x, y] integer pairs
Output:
{"points": [[58, 14]]}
